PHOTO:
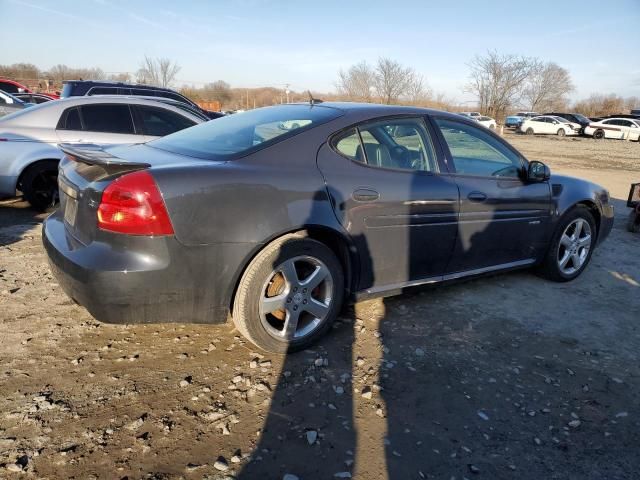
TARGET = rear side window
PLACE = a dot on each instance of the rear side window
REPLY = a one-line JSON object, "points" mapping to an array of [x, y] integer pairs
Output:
{"points": [[107, 118], [70, 120], [159, 122], [348, 144], [8, 87]]}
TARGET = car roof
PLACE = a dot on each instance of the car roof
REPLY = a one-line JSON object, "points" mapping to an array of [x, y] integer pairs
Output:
{"points": [[110, 83], [377, 109], [46, 115]]}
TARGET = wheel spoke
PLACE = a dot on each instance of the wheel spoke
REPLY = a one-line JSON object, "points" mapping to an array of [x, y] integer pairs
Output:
{"points": [[578, 230], [316, 277], [565, 259], [271, 304], [316, 308], [291, 324], [565, 240], [576, 260], [288, 269], [584, 241]]}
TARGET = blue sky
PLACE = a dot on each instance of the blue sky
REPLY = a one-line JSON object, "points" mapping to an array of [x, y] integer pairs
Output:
{"points": [[275, 42]]}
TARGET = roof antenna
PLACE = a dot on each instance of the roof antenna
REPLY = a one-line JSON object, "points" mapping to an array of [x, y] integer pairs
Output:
{"points": [[313, 101]]}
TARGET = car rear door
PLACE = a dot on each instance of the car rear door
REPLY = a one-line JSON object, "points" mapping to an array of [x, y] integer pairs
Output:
{"points": [[385, 184], [98, 123], [503, 219]]}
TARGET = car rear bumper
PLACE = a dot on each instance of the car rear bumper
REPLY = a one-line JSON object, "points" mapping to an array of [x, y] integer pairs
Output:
{"points": [[157, 279]]}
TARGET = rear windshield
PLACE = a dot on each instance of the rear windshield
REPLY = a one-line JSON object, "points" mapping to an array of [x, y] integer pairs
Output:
{"points": [[242, 133]]}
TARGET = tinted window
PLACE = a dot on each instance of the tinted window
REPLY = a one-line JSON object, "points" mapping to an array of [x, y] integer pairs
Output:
{"points": [[143, 92], [107, 118], [160, 122], [245, 132], [103, 91], [70, 120], [41, 99], [538, 119], [474, 151], [625, 123], [398, 143]]}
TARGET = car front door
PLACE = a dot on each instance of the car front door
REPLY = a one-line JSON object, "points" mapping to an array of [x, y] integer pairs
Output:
{"points": [[98, 123], [503, 219], [385, 184]]}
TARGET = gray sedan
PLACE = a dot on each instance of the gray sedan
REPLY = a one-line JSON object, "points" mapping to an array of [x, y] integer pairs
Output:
{"points": [[29, 139], [276, 215]]}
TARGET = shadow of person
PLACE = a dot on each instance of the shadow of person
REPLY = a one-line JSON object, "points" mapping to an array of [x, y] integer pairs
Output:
{"points": [[309, 429]]}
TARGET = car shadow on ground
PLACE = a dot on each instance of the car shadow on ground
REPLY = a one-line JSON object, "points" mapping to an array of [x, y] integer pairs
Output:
{"points": [[16, 218]]}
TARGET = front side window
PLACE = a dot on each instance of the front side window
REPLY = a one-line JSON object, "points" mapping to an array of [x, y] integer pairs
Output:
{"points": [[474, 151], [247, 132], [107, 118], [159, 122]]}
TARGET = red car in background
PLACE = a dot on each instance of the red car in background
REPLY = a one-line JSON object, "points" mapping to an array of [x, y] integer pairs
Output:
{"points": [[12, 87]]}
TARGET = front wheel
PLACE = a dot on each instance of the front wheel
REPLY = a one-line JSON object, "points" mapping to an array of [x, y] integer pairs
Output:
{"points": [[529, 131], [598, 134], [571, 246], [289, 295], [561, 132]]}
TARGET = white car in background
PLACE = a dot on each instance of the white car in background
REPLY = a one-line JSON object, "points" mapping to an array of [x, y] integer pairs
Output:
{"points": [[549, 125], [620, 128], [29, 139], [486, 122], [473, 115]]}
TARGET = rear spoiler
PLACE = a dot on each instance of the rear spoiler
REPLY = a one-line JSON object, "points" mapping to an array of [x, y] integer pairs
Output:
{"points": [[93, 154]]}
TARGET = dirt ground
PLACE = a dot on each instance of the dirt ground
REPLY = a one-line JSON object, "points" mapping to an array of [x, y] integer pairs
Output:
{"points": [[503, 377]]}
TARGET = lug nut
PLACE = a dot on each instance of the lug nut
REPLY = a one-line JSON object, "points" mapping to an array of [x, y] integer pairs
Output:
{"points": [[304, 290], [304, 302], [295, 289], [295, 307], [289, 300]]}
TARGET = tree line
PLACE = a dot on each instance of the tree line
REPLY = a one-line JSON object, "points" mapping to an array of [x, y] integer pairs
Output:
{"points": [[500, 82]]}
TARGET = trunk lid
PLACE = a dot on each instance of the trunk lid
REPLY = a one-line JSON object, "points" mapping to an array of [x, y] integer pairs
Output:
{"points": [[86, 170]]}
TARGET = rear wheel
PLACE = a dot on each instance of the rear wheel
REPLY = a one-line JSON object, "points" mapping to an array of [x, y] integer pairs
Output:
{"points": [[571, 246], [529, 131], [39, 184], [561, 132], [598, 134], [289, 295]]}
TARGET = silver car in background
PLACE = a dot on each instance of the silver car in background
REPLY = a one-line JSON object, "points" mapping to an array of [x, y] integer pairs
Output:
{"points": [[29, 139]]}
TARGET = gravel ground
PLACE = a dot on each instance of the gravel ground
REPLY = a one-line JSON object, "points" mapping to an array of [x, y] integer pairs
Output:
{"points": [[503, 377]]}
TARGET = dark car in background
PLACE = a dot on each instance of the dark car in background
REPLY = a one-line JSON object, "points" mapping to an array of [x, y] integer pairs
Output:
{"points": [[277, 214], [573, 117], [76, 88]]}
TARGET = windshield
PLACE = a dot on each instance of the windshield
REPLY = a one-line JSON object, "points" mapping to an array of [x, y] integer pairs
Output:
{"points": [[581, 118], [243, 133]]}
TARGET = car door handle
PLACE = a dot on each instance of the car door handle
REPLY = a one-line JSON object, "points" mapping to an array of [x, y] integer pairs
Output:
{"points": [[477, 197], [365, 195]]}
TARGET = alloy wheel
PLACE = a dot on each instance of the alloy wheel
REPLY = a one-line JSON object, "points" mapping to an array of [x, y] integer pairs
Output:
{"points": [[296, 298], [574, 246]]}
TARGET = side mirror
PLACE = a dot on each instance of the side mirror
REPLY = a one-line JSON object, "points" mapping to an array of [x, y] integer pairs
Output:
{"points": [[538, 172]]}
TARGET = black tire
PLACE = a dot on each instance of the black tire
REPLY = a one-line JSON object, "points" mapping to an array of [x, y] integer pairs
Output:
{"points": [[39, 184], [633, 223], [550, 268], [529, 131], [492, 126], [598, 134], [258, 279], [561, 132]]}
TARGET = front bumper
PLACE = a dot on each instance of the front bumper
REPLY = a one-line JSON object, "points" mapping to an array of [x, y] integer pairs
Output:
{"points": [[606, 222], [149, 280]]}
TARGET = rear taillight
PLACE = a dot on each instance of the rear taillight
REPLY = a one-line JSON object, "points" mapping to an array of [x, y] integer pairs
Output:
{"points": [[132, 204]]}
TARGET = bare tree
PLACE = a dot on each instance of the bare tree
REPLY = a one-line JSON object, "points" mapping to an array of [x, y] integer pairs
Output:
{"points": [[59, 73], [418, 92], [357, 83], [547, 87], [499, 80], [219, 91], [393, 80], [160, 71]]}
